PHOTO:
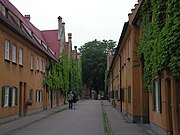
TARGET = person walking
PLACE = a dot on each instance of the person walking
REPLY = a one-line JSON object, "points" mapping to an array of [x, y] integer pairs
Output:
{"points": [[74, 100], [70, 99]]}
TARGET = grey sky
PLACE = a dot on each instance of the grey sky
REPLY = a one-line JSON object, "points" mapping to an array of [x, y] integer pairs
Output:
{"points": [[85, 19]]}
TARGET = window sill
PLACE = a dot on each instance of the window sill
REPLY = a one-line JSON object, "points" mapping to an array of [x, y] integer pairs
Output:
{"points": [[20, 65], [7, 60], [14, 63]]}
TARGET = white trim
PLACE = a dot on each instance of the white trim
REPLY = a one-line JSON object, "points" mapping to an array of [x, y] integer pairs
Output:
{"points": [[7, 44], [20, 56], [14, 53]]}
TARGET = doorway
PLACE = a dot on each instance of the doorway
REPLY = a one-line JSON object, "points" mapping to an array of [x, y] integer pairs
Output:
{"points": [[169, 105], [20, 99], [178, 104]]}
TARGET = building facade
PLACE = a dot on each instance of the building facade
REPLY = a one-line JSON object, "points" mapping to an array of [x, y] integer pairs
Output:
{"points": [[24, 51], [158, 106]]}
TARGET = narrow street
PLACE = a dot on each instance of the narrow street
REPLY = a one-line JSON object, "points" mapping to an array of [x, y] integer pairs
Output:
{"points": [[86, 119]]}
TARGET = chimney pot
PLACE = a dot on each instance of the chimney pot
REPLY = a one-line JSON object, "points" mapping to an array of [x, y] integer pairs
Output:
{"points": [[59, 18], [27, 17]]}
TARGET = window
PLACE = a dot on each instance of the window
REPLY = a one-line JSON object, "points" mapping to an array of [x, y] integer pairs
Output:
{"points": [[37, 63], [12, 96], [7, 44], [116, 94], [124, 57], [38, 95], [44, 66], [20, 56], [129, 49], [14, 53], [5, 97], [40, 65], [32, 62], [31, 94], [156, 95], [129, 94], [9, 96]]}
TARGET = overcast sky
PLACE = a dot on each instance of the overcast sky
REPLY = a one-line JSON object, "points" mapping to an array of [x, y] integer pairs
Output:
{"points": [[85, 19]]}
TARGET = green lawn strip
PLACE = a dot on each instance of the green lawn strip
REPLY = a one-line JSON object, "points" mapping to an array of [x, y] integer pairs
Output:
{"points": [[107, 126]]}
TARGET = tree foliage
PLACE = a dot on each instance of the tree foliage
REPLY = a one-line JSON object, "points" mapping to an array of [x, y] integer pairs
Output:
{"points": [[94, 61], [159, 43]]}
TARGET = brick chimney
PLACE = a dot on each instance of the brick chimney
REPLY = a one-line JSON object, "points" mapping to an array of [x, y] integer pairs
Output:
{"points": [[59, 26], [70, 43], [27, 17]]}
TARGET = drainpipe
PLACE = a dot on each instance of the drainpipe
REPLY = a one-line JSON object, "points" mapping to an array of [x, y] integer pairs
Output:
{"points": [[120, 82]]}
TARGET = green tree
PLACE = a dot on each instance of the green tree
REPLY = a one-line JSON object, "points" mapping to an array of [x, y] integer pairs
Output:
{"points": [[65, 72], [94, 61]]}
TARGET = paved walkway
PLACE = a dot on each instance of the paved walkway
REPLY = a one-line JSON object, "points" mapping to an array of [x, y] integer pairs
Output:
{"points": [[118, 124], [10, 124]]}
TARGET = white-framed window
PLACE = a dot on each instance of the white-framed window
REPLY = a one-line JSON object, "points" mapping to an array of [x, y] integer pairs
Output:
{"points": [[14, 53], [32, 62], [9, 96], [38, 95], [156, 95], [129, 48], [37, 64], [20, 56], [13, 96], [7, 45], [44, 66], [6, 95], [40, 64], [124, 56]]}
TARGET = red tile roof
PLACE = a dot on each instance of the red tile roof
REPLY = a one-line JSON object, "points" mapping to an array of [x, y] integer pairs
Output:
{"points": [[51, 36]]}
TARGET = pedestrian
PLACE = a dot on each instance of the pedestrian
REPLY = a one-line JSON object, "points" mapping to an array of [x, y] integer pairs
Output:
{"points": [[70, 99], [74, 100]]}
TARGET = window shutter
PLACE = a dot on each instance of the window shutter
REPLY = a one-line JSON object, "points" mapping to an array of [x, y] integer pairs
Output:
{"points": [[129, 94], [10, 96], [159, 96], [153, 95], [3, 96], [16, 97], [30, 94]]}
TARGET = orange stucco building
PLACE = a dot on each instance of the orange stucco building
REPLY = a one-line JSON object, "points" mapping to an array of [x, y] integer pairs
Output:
{"points": [[160, 108], [24, 51]]}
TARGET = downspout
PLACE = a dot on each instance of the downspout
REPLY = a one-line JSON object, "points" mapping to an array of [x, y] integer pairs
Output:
{"points": [[120, 82]]}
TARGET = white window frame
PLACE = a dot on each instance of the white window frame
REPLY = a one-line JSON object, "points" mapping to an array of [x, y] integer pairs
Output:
{"points": [[13, 96], [32, 62], [7, 46], [14, 53], [37, 64], [157, 107], [40, 64], [44, 66], [6, 97], [38, 95], [129, 48], [20, 56]]}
